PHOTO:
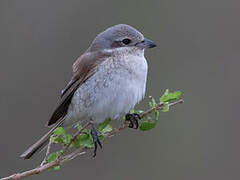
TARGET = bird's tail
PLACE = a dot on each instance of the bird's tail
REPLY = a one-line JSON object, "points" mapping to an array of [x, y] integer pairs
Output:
{"points": [[40, 143]]}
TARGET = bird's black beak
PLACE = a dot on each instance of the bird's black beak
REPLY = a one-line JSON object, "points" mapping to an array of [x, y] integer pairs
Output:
{"points": [[146, 43]]}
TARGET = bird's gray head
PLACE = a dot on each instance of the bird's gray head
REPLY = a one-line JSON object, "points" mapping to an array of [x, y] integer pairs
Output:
{"points": [[118, 36]]}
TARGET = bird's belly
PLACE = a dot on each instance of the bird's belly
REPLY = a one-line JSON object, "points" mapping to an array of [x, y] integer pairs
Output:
{"points": [[116, 100], [106, 94], [108, 99]]}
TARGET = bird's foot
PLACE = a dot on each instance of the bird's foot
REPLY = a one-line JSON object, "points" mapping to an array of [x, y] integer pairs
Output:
{"points": [[133, 119], [96, 140]]}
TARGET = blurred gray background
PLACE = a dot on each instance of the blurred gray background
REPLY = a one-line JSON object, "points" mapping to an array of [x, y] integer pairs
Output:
{"points": [[198, 53]]}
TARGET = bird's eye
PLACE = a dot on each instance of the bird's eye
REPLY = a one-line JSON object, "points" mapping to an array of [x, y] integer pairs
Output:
{"points": [[126, 41]]}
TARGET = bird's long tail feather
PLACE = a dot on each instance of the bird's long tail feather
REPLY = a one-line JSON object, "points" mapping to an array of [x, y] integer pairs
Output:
{"points": [[40, 143]]}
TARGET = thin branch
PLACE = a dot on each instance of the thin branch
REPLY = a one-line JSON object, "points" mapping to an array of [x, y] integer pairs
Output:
{"points": [[37, 170], [61, 159], [74, 154], [47, 153]]}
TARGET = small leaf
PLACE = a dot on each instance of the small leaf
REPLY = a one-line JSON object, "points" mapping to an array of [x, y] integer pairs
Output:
{"points": [[152, 103], [56, 140], [146, 126], [103, 125], [59, 136], [67, 138], [56, 168], [78, 142], [86, 131], [132, 111], [59, 131], [101, 138], [167, 96], [165, 107], [88, 143], [107, 129], [156, 115], [53, 156], [83, 140], [79, 126]]}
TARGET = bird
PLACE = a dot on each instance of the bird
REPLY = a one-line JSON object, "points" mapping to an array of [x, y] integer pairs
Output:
{"points": [[108, 80]]}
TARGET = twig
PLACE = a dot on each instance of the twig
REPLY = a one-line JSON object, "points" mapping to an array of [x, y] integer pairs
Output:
{"points": [[61, 159], [47, 153], [34, 171], [44, 167], [74, 154]]}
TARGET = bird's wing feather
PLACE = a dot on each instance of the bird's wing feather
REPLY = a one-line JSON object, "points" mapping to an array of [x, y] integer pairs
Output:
{"points": [[83, 68]]}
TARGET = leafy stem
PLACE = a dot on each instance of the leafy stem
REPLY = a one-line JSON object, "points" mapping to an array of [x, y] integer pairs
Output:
{"points": [[82, 140]]}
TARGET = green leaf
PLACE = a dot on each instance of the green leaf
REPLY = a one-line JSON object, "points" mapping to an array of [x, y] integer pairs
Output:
{"points": [[83, 140], [132, 111], [59, 131], [59, 136], [87, 142], [76, 143], [152, 103], [167, 96], [165, 107], [53, 156], [67, 138], [79, 126], [156, 115], [101, 138], [56, 140], [105, 126], [146, 125], [149, 124], [107, 129], [86, 131], [56, 168]]}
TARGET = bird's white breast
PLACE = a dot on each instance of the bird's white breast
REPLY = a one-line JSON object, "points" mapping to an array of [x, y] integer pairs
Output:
{"points": [[117, 86]]}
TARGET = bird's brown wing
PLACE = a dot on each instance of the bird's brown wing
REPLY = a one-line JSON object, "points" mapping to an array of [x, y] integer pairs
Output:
{"points": [[83, 68]]}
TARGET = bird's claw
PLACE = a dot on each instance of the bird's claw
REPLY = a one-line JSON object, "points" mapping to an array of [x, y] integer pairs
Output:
{"points": [[133, 119]]}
